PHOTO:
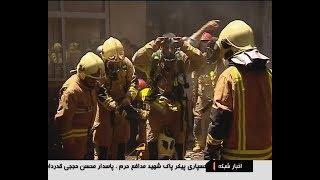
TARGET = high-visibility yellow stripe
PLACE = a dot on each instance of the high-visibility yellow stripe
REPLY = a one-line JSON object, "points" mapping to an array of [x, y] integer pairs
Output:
{"points": [[246, 158], [254, 152], [74, 131], [75, 135], [211, 140], [269, 72], [82, 110], [242, 112], [246, 155], [240, 139]]}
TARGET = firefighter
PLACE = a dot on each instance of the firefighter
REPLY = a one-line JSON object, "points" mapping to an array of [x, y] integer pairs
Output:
{"points": [[139, 129], [204, 81], [77, 106], [241, 114], [165, 62], [117, 90], [73, 55], [56, 57]]}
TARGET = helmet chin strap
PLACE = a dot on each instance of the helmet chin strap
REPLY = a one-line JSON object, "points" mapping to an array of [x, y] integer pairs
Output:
{"points": [[94, 77], [240, 49]]}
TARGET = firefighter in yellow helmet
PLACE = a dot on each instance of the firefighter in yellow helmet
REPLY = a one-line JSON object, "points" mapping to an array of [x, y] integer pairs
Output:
{"points": [[73, 55], [118, 89], [241, 114], [165, 61], [77, 106], [56, 57]]}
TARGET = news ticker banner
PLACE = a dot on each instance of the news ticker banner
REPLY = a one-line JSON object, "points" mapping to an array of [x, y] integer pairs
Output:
{"points": [[84, 169]]}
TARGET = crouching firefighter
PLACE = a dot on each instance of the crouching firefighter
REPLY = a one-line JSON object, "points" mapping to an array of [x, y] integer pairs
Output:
{"points": [[77, 107], [241, 114], [165, 62], [111, 127], [140, 127]]}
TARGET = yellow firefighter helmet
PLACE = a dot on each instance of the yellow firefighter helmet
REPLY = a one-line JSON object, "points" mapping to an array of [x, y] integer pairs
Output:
{"points": [[76, 46], [112, 50], [57, 47], [237, 34], [92, 66]]}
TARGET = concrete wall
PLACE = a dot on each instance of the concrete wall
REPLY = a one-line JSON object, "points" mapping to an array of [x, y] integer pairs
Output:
{"points": [[128, 20]]}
